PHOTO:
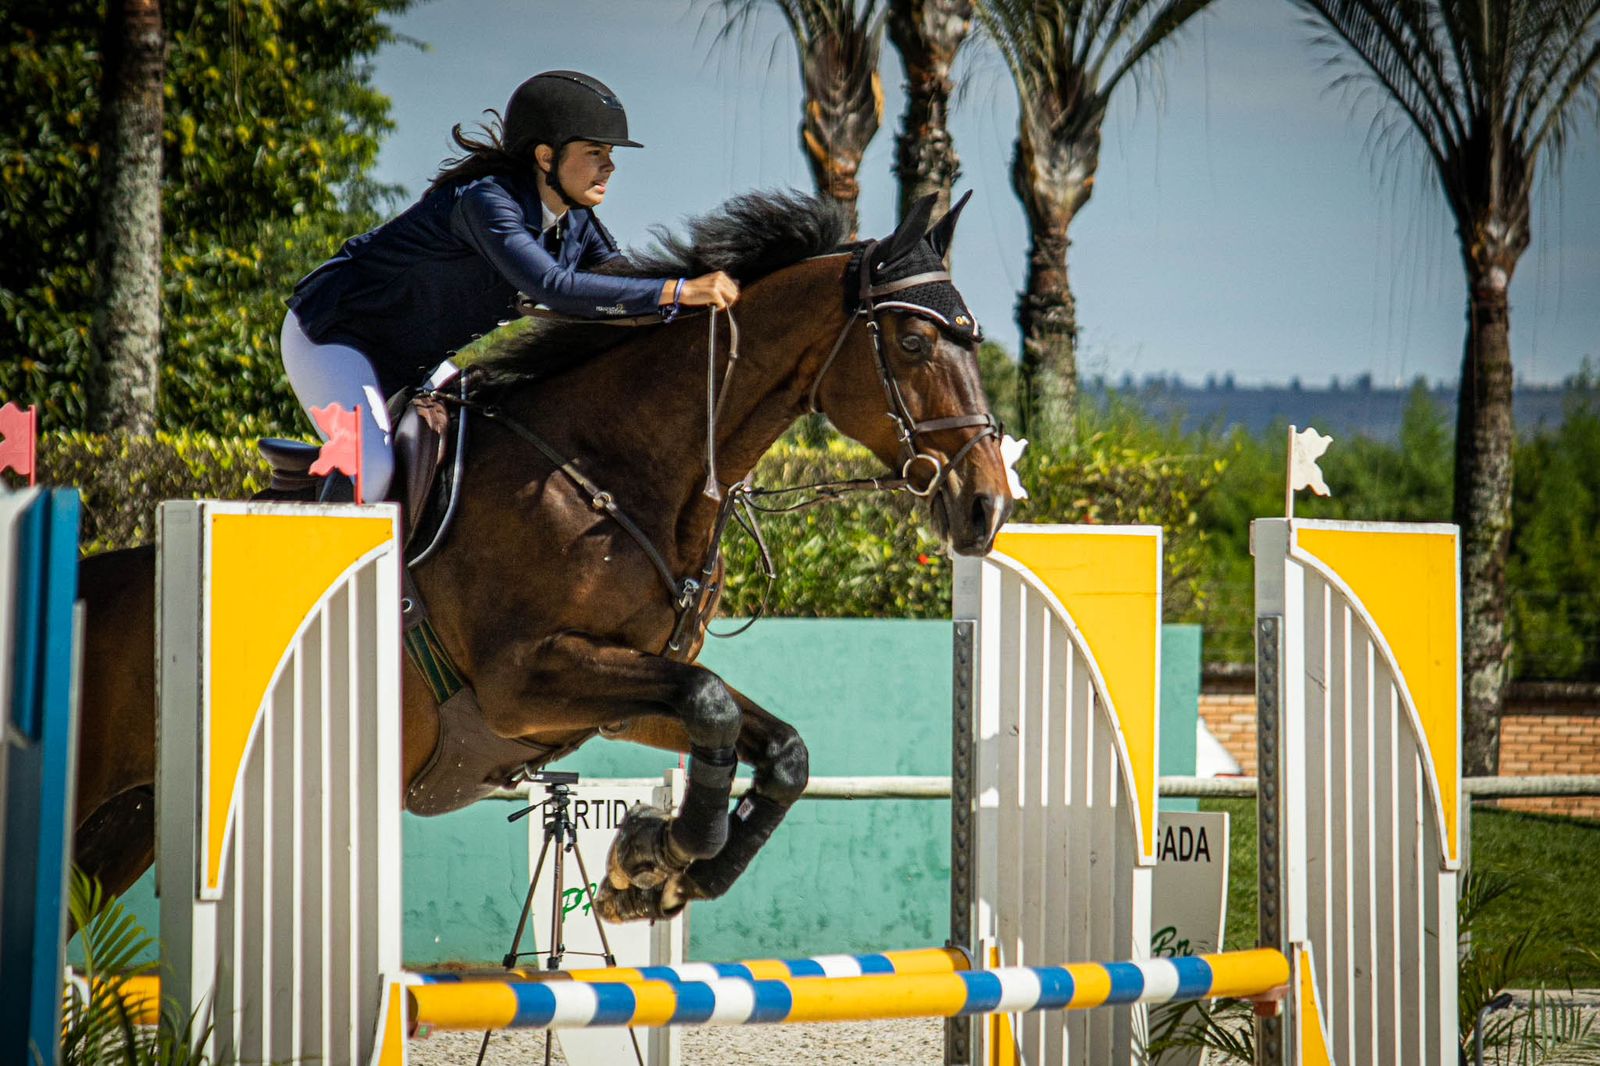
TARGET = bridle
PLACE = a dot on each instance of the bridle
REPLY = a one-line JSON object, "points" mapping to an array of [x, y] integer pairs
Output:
{"points": [[906, 425]]}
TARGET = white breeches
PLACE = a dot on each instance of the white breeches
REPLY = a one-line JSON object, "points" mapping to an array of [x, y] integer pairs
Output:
{"points": [[337, 373]]}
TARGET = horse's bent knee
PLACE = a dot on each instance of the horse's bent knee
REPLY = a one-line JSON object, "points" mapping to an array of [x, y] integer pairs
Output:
{"points": [[785, 769], [710, 715]]}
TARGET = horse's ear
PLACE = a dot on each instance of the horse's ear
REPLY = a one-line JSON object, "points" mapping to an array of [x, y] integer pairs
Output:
{"points": [[906, 235], [944, 230]]}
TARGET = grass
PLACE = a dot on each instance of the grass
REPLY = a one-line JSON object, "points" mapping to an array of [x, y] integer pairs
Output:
{"points": [[1551, 861]]}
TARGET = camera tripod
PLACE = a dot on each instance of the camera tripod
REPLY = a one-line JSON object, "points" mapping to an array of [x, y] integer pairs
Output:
{"points": [[560, 837]]}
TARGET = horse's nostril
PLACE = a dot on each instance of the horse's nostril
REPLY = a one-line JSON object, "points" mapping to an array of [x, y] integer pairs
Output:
{"points": [[984, 509], [988, 515]]}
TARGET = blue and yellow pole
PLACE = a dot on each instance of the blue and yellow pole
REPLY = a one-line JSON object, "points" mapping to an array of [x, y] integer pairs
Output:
{"points": [[911, 961], [478, 1005]]}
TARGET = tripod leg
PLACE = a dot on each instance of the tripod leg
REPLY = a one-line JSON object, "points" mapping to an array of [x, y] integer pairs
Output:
{"points": [[599, 926], [509, 961]]}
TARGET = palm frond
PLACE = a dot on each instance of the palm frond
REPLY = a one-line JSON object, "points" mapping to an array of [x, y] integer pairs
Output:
{"points": [[1562, 75], [1406, 50], [98, 1025], [1059, 52], [1488, 88]]}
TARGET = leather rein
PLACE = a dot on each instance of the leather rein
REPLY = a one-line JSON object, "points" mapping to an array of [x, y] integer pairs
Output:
{"points": [[694, 597]]}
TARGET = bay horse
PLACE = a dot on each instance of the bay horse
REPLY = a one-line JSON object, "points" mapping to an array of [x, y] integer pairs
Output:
{"points": [[562, 621]]}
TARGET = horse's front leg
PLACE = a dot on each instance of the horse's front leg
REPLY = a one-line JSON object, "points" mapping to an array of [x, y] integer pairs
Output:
{"points": [[578, 681], [782, 766]]}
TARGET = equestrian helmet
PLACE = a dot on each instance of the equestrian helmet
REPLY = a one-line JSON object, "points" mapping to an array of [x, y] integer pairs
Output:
{"points": [[561, 106]]}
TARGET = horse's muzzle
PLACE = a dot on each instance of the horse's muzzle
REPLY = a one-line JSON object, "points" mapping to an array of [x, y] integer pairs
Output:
{"points": [[969, 520]]}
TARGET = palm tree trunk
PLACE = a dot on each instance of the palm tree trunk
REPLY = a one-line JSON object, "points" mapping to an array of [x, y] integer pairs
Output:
{"points": [[127, 320], [928, 34], [1484, 437], [833, 172], [1048, 317]]}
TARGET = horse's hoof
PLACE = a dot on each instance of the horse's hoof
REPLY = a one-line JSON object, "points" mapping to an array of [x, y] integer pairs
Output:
{"points": [[616, 905], [639, 855]]}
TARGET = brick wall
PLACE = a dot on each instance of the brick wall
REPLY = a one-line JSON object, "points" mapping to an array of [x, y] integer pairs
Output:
{"points": [[1546, 729], [1231, 717]]}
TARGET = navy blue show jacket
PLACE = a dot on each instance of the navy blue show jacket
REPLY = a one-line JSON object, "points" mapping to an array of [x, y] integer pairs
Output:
{"points": [[448, 269]]}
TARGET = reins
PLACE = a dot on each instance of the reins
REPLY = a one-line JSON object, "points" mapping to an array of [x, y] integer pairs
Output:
{"points": [[694, 597]]}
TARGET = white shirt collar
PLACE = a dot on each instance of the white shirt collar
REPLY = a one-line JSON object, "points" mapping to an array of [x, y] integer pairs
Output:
{"points": [[547, 217]]}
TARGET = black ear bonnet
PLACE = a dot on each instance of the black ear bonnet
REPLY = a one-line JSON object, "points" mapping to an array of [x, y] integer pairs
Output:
{"points": [[937, 301]]}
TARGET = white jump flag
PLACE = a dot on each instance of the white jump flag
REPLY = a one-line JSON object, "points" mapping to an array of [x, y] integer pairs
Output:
{"points": [[1305, 448], [1010, 451]]}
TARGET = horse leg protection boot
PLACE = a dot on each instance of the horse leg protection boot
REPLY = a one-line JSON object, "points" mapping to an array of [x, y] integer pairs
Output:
{"points": [[701, 827], [751, 826]]}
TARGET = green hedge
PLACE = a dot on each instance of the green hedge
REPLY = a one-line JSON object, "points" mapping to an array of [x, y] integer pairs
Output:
{"points": [[870, 555], [122, 478]]}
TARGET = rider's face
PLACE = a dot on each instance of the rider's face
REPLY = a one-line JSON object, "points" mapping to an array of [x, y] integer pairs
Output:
{"points": [[585, 169]]}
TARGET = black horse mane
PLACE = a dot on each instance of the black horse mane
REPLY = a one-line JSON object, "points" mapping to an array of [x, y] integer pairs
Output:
{"points": [[748, 237]]}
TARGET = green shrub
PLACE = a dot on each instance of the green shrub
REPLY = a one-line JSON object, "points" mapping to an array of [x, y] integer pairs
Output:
{"points": [[122, 479]]}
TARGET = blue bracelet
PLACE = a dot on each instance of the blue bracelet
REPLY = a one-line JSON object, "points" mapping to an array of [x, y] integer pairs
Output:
{"points": [[670, 313]]}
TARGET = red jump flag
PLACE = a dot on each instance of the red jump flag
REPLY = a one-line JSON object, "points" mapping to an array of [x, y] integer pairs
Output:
{"points": [[342, 452], [19, 430]]}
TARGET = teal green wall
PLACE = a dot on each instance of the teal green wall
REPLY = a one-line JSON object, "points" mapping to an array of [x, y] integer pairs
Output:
{"points": [[870, 697], [1180, 706]]}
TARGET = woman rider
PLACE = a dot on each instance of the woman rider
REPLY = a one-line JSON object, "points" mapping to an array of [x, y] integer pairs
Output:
{"points": [[514, 213]]}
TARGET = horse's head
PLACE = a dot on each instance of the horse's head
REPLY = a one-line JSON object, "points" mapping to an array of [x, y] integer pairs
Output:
{"points": [[904, 380]]}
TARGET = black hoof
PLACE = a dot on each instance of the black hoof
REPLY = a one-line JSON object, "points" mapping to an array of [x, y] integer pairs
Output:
{"points": [[640, 856], [635, 904]]}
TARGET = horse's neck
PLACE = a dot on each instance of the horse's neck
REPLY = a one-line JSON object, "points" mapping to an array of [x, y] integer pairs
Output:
{"points": [[786, 324], [638, 414]]}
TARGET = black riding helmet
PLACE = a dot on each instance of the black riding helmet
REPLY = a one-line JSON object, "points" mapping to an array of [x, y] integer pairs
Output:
{"points": [[562, 106]]}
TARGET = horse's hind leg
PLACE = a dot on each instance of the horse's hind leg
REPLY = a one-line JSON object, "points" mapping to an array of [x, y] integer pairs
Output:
{"points": [[115, 818]]}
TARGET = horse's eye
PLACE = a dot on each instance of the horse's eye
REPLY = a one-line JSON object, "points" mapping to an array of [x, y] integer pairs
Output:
{"points": [[913, 344]]}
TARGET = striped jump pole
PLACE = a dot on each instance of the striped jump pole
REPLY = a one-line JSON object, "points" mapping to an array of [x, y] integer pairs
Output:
{"points": [[479, 1005], [142, 993], [912, 961]]}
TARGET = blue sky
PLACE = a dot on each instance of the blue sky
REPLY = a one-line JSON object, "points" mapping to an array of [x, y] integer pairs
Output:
{"points": [[1239, 222]]}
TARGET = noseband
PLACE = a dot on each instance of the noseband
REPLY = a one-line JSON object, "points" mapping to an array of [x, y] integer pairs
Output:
{"points": [[906, 425]]}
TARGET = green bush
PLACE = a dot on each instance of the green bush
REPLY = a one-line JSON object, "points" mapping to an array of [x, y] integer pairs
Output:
{"points": [[1554, 565], [122, 479]]}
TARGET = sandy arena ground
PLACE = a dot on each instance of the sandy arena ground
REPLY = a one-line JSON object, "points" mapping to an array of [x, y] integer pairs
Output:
{"points": [[908, 1042]]}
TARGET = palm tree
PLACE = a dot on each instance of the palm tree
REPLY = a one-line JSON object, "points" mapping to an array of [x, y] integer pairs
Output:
{"points": [[1487, 89], [927, 33], [839, 43], [127, 319], [1067, 57]]}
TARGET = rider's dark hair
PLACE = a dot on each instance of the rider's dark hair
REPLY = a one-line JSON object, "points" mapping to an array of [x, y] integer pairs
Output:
{"points": [[481, 156]]}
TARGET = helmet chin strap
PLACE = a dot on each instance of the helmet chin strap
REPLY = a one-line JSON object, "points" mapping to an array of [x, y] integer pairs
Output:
{"points": [[552, 178]]}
